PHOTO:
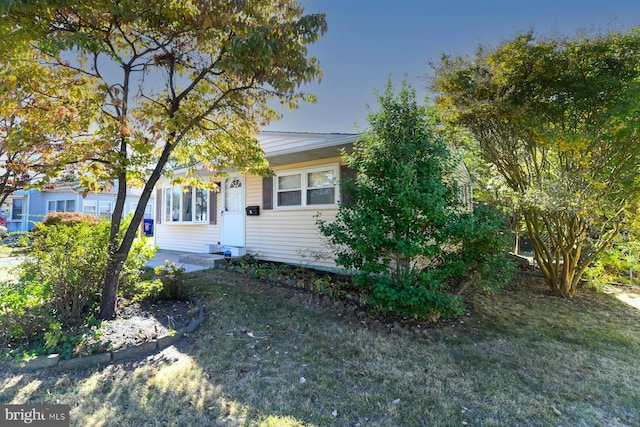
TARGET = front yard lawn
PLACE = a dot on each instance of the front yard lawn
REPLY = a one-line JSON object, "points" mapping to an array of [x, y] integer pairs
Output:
{"points": [[271, 355]]}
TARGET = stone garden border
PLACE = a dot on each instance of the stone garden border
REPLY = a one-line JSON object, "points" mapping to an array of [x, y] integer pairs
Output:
{"points": [[137, 351]]}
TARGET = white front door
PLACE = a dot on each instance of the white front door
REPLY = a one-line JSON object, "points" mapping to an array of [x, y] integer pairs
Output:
{"points": [[233, 211]]}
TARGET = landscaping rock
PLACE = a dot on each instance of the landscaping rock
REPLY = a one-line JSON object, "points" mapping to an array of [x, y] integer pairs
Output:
{"points": [[138, 350], [40, 362], [86, 361]]}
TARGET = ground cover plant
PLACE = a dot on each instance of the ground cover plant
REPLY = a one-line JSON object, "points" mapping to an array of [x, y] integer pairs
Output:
{"points": [[271, 355]]}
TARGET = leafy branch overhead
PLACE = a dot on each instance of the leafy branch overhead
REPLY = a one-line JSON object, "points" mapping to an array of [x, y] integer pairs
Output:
{"points": [[43, 113], [190, 80]]}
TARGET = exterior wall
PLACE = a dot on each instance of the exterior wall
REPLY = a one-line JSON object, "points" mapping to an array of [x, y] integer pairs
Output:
{"points": [[37, 208], [287, 235], [185, 237], [283, 235]]}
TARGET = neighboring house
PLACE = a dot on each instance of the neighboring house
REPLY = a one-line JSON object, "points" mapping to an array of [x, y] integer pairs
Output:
{"points": [[274, 217], [26, 207]]}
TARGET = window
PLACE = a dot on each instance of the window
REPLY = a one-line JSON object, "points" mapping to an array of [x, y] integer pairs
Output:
{"points": [[175, 208], [89, 206], [104, 209], [202, 205], [321, 188], [100, 208], [61, 206], [148, 211], [16, 209], [312, 187], [186, 204], [290, 190], [167, 198], [11, 210]]}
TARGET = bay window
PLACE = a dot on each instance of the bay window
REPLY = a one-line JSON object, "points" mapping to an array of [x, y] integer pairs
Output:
{"points": [[186, 205]]}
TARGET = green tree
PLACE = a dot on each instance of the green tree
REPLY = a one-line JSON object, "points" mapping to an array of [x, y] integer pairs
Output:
{"points": [[42, 111], [190, 80], [404, 226], [558, 119]]}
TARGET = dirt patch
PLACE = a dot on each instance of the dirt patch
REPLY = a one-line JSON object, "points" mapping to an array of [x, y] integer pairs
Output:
{"points": [[145, 321]]}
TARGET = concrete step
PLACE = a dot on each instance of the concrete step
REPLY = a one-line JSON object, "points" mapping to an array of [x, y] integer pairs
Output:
{"points": [[206, 260]]}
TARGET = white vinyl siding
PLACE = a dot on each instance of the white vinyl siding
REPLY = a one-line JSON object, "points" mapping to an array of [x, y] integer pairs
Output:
{"points": [[287, 234], [185, 237]]}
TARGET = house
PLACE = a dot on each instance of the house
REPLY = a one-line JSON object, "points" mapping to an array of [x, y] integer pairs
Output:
{"points": [[26, 207], [274, 217]]}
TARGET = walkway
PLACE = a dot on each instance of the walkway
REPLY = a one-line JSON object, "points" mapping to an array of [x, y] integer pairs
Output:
{"points": [[189, 261]]}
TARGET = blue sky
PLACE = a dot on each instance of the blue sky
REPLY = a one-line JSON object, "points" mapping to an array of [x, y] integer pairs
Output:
{"points": [[369, 39]]}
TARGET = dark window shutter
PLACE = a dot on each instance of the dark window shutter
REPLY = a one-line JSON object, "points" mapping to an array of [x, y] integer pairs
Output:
{"points": [[159, 206], [213, 206], [267, 192], [347, 177]]}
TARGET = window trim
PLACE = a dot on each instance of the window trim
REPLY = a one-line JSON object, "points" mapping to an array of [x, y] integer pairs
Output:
{"points": [[168, 203], [304, 187]]}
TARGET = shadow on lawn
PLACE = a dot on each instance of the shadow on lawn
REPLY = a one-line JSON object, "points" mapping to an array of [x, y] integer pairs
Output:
{"points": [[268, 355]]}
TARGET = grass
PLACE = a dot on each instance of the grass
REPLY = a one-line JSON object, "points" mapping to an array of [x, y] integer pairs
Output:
{"points": [[270, 356], [8, 271]]}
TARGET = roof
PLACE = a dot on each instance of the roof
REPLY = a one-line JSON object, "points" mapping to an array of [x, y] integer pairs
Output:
{"points": [[281, 148]]}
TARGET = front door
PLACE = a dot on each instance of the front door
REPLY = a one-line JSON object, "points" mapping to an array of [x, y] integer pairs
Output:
{"points": [[233, 212]]}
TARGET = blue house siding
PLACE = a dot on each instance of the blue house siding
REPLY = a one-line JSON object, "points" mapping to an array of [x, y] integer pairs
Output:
{"points": [[37, 204]]}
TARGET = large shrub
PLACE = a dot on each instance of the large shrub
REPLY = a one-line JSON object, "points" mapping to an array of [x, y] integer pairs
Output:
{"points": [[479, 260], [69, 255], [405, 231]]}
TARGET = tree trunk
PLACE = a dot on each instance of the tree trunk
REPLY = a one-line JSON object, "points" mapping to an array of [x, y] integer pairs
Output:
{"points": [[119, 251], [561, 265], [110, 289]]}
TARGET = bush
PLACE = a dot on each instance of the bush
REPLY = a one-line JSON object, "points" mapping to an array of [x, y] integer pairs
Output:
{"points": [[173, 285], [70, 257], [484, 243], [619, 264], [405, 230], [51, 308], [24, 309], [69, 254], [416, 295], [69, 218], [169, 284]]}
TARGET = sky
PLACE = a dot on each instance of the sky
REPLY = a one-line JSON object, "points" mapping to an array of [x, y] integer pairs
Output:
{"points": [[369, 40]]}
